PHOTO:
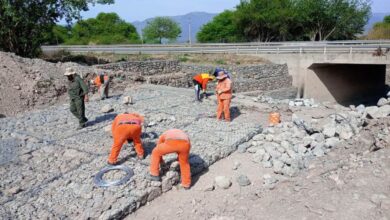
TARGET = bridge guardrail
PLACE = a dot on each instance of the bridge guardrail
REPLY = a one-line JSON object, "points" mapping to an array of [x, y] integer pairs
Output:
{"points": [[279, 47]]}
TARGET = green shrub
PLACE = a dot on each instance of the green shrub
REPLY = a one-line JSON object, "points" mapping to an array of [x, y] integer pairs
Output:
{"points": [[220, 62], [183, 58]]}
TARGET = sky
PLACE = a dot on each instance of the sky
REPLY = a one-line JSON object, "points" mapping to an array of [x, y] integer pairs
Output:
{"points": [[138, 10]]}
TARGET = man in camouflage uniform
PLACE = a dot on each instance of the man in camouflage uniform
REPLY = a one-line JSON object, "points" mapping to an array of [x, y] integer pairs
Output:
{"points": [[78, 94]]}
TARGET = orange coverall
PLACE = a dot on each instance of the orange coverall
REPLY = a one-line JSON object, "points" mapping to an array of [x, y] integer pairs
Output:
{"points": [[173, 141], [202, 79], [126, 127], [224, 98], [97, 81], [102, 86]]}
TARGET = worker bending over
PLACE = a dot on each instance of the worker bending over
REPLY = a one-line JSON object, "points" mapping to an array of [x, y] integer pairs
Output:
{"points": [[200, 83], [172, 141], [102, 82], [126, 127], [224, 95]]}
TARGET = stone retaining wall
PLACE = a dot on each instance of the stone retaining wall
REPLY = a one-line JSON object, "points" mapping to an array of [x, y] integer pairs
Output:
{"points": [[263, 77], [243, 72], [146, 68]]}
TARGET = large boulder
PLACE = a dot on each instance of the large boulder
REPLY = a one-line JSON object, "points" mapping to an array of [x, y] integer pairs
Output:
{"points": [[127, 100], [384, 111], [360, 108], [375, 112], [382, 102], [107, 108], [329, 130], [222, 182], [332, 142]]}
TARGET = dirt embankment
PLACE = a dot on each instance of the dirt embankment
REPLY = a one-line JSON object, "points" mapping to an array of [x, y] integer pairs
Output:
{"points": [[26, 84]]}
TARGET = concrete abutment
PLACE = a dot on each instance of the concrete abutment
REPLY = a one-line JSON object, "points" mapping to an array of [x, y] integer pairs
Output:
{"points": [[344, 78]]}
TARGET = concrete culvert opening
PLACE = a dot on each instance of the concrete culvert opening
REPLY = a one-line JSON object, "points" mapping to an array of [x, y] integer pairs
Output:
{"points": [[346, 84]]}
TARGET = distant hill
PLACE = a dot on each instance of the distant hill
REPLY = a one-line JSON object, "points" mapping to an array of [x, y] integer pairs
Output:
{"points": [[375, 17], [197, 19]]}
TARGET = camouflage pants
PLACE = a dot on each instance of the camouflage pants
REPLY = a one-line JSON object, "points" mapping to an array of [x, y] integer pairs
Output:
{"points": [[77, 107]]}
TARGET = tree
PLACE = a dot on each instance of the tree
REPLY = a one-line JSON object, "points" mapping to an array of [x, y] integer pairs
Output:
{"points": [[386, 19], [283, 20], [58, 35], [380, 30], [221, 29], [266, 20], [106, 28], [333, 19], [25, 23], [160, 28]]}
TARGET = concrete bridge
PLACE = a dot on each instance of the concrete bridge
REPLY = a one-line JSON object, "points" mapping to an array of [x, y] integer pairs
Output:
{"points": [[345, 78]]}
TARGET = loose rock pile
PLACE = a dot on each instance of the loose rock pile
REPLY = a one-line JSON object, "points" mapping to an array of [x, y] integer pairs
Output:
{"points": [[291, 103], [288, 147], [380, 111]]}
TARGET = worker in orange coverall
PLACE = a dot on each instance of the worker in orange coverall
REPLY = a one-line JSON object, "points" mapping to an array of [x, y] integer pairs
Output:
{"points": [[126, 127], [200, 82], [172, 141], [224, 95], [102, 82]]}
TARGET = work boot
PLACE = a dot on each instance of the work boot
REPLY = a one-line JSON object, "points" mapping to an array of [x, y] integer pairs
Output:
{"points": [[180, 186], [81, 126], [153, 178]]}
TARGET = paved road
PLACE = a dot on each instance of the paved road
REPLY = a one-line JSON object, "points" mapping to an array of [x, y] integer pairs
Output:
{"points": [[243, 48]]}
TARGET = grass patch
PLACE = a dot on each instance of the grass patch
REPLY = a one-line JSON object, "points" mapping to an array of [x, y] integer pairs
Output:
{"points": [[220, 62]]}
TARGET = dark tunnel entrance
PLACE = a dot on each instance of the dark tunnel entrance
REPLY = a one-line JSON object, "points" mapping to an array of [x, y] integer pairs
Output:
{"points": [[346, 84]]}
